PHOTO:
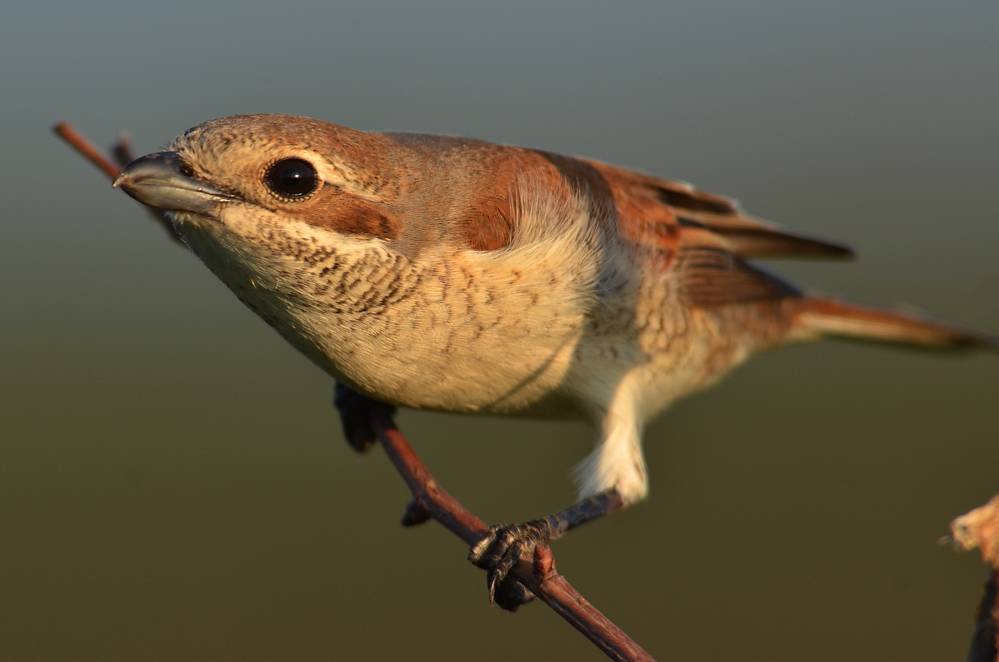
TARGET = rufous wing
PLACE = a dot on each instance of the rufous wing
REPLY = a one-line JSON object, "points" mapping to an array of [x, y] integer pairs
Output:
{"points": [[684, 207], [710, 240]]}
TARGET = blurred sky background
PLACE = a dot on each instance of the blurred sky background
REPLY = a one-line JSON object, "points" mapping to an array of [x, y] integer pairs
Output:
{"points": [[173, 482]]}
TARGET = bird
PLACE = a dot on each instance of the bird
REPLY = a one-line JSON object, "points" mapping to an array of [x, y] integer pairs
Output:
{"points": [[452, 274]]}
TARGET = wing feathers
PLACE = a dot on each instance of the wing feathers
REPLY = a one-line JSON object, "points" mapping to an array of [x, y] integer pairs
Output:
{"points": [[712, 277], [677, 205], [750, 237]]}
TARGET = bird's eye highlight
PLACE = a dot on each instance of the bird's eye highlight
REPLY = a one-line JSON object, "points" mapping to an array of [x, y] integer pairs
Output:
{"points": [[291, 179]]}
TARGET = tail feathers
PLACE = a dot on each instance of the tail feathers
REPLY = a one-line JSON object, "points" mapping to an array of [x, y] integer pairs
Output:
{"points": [[823, 317]]}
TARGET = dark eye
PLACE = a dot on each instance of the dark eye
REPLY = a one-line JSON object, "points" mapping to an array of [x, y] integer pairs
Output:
{"points": [[292, 179]]}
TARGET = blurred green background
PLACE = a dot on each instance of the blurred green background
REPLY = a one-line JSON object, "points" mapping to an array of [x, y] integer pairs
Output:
{"points": [[173, 483]]}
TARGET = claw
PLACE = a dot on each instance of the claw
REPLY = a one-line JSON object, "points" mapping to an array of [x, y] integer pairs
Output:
{"points": [[499, 551]]}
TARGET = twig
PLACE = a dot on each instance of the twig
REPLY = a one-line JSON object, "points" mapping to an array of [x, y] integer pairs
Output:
{"points": [[86, 148], [123, 155], [429, 499]]}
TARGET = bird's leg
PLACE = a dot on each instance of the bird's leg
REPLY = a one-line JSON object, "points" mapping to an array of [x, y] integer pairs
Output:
{"points": [[355, 418], [506, 544]]}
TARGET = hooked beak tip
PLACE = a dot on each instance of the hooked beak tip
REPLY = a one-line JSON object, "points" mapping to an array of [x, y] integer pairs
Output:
{"points": [[159, 180]]}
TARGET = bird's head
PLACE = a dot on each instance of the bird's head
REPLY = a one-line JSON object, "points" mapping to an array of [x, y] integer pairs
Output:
{"points": [[254, 172]]}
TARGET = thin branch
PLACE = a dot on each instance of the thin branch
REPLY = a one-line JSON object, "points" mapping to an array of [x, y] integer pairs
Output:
{"points": [[123, 155], [430, 501], [86, 148]]}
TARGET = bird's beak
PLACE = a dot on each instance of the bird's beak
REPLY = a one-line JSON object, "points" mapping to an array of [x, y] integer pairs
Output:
{"points": [[158, 180]]}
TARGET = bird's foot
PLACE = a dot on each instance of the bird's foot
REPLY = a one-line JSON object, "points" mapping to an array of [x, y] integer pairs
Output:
{"points": [[355, 416], [499, 552]]}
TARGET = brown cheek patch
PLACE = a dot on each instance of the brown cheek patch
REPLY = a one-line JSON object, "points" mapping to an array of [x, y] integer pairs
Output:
{"points": [[347, 214]]}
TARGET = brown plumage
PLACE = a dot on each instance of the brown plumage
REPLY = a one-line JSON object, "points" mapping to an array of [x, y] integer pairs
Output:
{"points": [[459, 275]]}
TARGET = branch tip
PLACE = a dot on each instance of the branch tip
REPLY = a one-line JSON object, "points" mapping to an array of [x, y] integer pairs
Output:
{"points": [[86, 148]]}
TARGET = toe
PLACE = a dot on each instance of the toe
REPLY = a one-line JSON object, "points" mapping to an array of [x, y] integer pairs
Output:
{"points": [[498, 552], [479, 553]]}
